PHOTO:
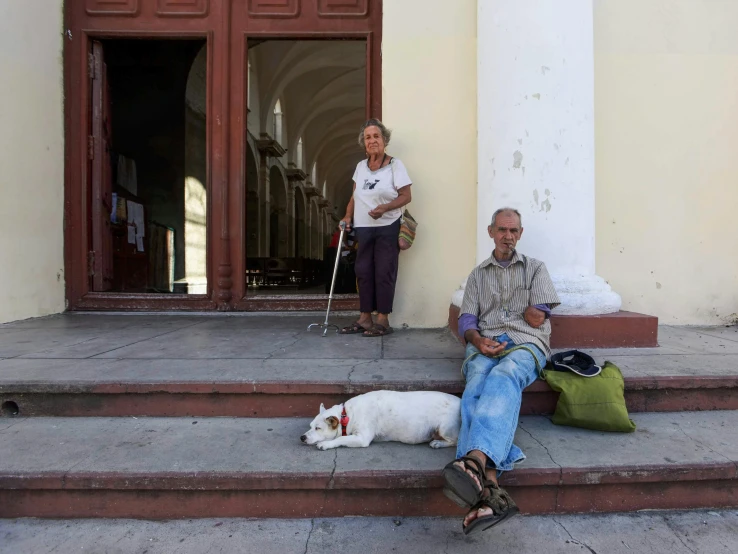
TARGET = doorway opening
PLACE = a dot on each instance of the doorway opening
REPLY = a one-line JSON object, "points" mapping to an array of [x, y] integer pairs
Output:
{"points": [[306, 101], [148, 166]]}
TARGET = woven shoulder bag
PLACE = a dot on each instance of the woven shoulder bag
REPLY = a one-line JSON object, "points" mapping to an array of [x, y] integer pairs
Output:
{"points": [[408, 225], [407, 230]]}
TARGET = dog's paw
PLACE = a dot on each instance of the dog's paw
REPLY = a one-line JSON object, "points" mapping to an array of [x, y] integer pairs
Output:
{"points": [[323, 445], [440, 444]]}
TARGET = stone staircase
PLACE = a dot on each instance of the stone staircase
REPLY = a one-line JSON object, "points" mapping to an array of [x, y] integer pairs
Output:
{"points": [[172, 416]]}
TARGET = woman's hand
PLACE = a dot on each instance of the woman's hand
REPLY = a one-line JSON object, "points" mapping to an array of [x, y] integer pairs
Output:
{"points": [[379, 211], [346, 221]]}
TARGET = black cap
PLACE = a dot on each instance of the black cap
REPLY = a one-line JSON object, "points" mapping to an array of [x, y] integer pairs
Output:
{"points": [[577, 362]]}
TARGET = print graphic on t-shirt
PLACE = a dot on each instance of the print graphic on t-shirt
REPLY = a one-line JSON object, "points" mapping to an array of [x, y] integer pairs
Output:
{"points": [[370, 184]]}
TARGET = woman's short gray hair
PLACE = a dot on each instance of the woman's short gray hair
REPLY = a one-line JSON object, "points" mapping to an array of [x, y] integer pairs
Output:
{"points": [[386, 133]]}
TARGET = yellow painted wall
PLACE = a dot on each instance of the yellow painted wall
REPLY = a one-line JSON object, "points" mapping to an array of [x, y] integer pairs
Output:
{"points": [[31, 159], [429, 55], [666, 116]]}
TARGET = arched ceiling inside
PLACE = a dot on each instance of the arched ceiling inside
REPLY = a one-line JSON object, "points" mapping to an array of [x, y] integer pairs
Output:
{"points": [[321, 86]]}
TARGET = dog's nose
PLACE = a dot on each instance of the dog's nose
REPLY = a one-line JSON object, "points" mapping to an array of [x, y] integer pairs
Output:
{"points": [[303, 438]]}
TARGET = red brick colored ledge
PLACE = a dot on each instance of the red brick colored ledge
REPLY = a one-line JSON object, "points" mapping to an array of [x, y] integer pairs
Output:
{"points": [[370, 493], [284, 387], [362, 479], [618, 330], [301, 399]]}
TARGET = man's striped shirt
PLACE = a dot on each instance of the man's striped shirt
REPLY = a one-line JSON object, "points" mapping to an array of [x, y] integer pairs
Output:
{"points": [[498, 296]]}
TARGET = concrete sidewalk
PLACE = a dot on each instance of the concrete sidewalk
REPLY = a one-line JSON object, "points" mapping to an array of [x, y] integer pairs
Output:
{"points": [[704, 532], [204, 345]]}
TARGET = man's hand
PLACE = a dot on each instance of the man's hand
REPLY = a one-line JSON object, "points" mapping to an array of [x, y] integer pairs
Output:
{"points": [[534, 317], [378, 212], [488, 347], [347, 221]]}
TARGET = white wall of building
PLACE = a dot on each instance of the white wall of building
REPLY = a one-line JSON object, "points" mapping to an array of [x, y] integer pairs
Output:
{"points": [[666, 127], [429, 83], [31, 159]]}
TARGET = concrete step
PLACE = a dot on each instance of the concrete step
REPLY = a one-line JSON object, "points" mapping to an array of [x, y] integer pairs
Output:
{"points": [[270, 366], [295, 388], [164, 468], [697, 532]]}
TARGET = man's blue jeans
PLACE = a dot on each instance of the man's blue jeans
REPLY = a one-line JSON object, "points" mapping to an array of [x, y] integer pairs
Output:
{"points": [[490, 406]]}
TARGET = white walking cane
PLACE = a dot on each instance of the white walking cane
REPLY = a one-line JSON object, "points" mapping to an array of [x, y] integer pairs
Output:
{"points": [[325, 325]]}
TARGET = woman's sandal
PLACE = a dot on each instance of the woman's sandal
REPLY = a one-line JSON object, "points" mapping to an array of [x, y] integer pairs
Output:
{"points": [[502, 505], [378, 330], [460, 487], [354, 329]]}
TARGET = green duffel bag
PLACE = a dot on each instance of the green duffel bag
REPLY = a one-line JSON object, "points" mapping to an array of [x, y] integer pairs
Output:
{"points": [[596, 402]]}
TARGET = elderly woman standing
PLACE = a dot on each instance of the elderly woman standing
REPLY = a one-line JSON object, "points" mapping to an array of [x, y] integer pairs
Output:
{"points": [[381, 189]]}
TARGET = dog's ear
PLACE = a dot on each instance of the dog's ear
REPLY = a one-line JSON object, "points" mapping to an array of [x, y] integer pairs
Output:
{"points": [[332, 421], [322, 408]]}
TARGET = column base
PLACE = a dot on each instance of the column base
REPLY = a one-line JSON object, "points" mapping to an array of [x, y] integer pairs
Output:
{"points": [[585, 295]]}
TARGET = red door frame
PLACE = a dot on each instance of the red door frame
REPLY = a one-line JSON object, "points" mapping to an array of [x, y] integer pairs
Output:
{"points": [[226, 25]]}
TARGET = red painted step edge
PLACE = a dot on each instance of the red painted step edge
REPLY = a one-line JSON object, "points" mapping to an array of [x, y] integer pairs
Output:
{"points": [[301, 399], [376, 493], [338, 387]]}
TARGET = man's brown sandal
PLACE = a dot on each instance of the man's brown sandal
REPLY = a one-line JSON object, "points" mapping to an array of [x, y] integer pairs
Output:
{"points": [[460, 486], [499, 501]]}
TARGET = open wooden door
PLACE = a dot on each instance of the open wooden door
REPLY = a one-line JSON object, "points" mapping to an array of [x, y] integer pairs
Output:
{"points": [[100, 262]]}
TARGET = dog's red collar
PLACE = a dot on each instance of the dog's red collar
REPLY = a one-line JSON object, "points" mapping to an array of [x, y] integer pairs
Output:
{"points": [[344, 421]]}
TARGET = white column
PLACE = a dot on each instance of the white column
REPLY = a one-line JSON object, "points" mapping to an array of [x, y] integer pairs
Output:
{"points": [[536, 139]]}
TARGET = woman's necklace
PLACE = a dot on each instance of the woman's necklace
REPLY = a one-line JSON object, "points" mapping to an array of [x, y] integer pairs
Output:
{"points": [[380, 163]]}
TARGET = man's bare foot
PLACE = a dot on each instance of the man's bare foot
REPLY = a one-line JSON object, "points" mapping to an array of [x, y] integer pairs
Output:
{"points": [[491, 475], [495, 506], [482, 459], [474, 514]]}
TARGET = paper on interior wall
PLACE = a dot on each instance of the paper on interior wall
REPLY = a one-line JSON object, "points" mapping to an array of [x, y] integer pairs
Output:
{"points": [[136, 217], [131, 234], [132, 214]]}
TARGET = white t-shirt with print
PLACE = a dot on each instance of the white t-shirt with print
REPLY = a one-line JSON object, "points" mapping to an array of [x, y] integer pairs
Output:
{"points": [[378, 187]]}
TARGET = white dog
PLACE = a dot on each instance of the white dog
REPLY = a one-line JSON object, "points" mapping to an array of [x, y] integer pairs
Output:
{"points": [[409, 417]]}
